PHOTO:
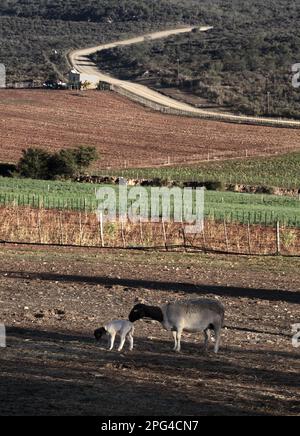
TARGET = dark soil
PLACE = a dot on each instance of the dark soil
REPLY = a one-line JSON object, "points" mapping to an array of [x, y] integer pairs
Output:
{"points": [[52, 299]]}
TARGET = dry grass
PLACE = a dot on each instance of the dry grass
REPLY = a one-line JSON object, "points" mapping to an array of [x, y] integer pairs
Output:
{"points": [[28, 225]]}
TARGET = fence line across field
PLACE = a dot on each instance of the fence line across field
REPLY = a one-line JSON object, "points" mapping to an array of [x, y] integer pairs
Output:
{"points": [[90, 205], [209, 156], [222, 117], [66, 228]]}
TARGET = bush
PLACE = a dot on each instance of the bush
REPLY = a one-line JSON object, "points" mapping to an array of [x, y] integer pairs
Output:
{"points": [[34, 164], [39, 164], [62, 165], [84, 156], [7, 170]]}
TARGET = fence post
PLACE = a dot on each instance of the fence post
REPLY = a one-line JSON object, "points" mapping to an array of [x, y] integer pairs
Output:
{"points": [[141, 232], [123, 232], [278, 240], [165, 235], [226, 235], [184, 237], [61, 228], [101, 230], [249, 239], [80, 229]]}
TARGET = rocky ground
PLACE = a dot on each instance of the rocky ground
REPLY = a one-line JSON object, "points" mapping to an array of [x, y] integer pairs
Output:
{"points": [[52, 299]]}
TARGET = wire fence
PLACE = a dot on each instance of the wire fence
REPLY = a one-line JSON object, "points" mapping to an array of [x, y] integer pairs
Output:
{"points": [[223, 117], [90, 204], [204, 157], [66, 228]]}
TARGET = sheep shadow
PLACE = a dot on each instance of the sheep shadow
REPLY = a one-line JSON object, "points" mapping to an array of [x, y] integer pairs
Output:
{"points": [[157, 355], [188, 288]]}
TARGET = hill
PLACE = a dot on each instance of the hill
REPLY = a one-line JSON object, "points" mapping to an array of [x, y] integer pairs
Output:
{"points": [[242, 65], [35, 35], [122, 131]]}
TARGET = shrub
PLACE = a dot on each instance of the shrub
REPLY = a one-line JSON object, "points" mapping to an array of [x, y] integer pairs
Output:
{"points": [[7, 170], [62, 165], [84, 156], [34, 164], [39, 164]]}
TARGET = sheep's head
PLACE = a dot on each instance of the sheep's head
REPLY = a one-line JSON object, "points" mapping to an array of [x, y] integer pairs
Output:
{"points": [[138, 312], [99, 333]]}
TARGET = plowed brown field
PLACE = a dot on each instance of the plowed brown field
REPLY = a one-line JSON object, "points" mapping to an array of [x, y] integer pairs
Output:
{"points": [[121, 130]]}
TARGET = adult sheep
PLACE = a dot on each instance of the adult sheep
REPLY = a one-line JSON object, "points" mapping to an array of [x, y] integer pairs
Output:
{"points": [[190, 316]]}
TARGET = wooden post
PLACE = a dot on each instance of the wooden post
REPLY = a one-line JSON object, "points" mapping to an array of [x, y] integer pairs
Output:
{"points": [[226, 235], [141, 232], [39, 225], [123, 233], [249, 239], [204, 236], [165, 234], [278, 241], [61, 228], [184, 238], [101, 230], [80, 229]]}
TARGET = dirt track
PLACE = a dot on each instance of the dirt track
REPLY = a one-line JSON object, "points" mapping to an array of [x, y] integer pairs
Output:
{"points": [[51, 301], [79, 59], [121, 130]]}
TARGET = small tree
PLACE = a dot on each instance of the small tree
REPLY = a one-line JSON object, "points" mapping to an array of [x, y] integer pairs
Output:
{"points": [[62, 164], [34, 163], [85, 156]]}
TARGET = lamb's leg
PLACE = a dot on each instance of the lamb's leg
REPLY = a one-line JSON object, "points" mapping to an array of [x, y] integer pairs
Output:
{"points": [[207, 336], [112, 341], [123, 339], [175, 341], [130, 339], [218, 331]]}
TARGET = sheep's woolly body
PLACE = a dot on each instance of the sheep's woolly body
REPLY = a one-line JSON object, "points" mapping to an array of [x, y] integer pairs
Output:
{"points": [[193, 312], [191, 316], [194, 316]]}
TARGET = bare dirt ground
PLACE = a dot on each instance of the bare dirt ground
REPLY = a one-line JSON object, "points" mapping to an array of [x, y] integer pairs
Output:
{"points": [[52, 299], [121, 130]]}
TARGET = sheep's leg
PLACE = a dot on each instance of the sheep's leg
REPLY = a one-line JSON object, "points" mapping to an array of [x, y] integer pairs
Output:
{"points": [[179, 334], [123, 339], [112, 341], [207, 336], [175, 340], [130, 339], [218, 331]]}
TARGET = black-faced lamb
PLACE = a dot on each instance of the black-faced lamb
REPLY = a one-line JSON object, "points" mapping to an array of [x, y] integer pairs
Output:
{"points": [[190, 316], [125, 329]]}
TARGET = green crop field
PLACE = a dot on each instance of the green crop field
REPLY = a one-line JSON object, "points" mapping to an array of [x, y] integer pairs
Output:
{"points": [[244, 208], [281, 171]]}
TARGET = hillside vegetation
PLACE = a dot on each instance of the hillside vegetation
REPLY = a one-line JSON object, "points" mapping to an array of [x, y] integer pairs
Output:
{"points": [[36, 34], [243, 64]]}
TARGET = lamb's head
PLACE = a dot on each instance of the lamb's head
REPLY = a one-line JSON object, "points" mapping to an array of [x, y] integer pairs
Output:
{"points": [[99, 333], [137, 313]]}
